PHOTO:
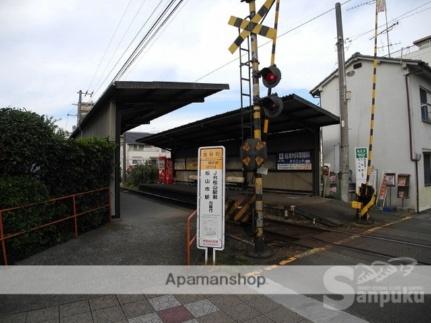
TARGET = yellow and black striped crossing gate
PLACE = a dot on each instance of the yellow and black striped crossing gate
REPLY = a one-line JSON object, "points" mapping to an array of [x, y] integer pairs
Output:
{"points": [[367, 194], [252, 28]]}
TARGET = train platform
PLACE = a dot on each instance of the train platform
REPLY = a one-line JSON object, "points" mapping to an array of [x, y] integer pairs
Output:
{"points": [[316, 209]]}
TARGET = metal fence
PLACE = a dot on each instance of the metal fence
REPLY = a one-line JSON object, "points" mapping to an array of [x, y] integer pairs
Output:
{"points": [[75, 214]]}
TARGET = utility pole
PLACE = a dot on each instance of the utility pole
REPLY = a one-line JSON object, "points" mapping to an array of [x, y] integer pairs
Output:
{"points": [[259, 242], [124, 158], [82, 107], [387, 30], [79, 106], [344, 122]]}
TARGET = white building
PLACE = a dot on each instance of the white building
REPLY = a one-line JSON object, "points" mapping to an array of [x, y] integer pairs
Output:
{"points": [[421, 50], [402, 134], [136, 153]]}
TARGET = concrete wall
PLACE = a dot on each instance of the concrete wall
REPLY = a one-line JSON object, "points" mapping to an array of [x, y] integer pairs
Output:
{"points": [[106, 125], [103, 125], [422, 54], [421, 137], [391, 135]]}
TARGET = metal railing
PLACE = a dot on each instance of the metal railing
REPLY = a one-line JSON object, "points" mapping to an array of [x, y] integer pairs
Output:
{"points": [[4, 236], [189, 240]]}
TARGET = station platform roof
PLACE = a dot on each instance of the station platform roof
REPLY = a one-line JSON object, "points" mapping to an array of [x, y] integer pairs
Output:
{"points": [[297, 114], [141, 102]]}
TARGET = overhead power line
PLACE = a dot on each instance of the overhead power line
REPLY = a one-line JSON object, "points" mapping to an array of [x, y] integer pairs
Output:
{"points": [[156, 37], [155, 28], [128, 47], [109, 44], [270, 42], [126, 31], [403, 16]]}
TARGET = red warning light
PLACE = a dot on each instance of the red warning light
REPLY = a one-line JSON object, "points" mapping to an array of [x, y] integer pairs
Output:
{"points": [[271, 76]]}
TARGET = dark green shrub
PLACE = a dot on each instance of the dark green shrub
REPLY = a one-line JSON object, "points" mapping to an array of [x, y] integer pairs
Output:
{"points": [[78, 165], [143, 174], [23, 140], [18, 191], [37, 163]]}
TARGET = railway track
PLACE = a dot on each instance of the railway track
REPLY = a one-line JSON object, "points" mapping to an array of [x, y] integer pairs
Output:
{"points": [[171, 198], [302, 231], [366, 251], [362, 235], [340, 242]]}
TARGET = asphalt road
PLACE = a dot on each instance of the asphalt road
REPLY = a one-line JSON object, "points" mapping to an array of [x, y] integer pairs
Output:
{"points": [[366, 250]]}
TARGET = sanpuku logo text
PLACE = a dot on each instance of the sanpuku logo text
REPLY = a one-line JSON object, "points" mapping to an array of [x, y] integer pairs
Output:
{"points": [[379, 283]]}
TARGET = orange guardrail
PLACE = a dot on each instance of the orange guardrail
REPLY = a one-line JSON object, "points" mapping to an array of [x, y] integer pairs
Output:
{"points": [[75, 214], [189, 241]]}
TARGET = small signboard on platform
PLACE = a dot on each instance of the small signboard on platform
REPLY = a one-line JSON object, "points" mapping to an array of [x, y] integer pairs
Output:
{"points": [[300, 160], [211, 198], [361, 160]]}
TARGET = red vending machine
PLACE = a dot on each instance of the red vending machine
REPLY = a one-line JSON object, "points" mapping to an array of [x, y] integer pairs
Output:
{"points": [[166, 172]]}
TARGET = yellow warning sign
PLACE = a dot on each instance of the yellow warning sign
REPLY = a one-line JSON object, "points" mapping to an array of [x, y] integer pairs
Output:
{"points": [[211, 158]]}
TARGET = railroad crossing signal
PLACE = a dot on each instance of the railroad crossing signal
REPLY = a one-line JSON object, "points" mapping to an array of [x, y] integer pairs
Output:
{"points": [[253, 153], [271, 76], [252, 26], [272, 106]]}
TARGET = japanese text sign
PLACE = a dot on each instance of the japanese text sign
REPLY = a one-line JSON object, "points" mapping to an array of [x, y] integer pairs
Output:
{"points": [[211, 198]]}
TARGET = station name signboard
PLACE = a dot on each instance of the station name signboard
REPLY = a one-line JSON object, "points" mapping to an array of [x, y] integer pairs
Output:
{"points": [[300, 160], [211, 198]]}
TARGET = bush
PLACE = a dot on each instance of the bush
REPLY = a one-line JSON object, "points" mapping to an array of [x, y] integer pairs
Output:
{"points": [[18, 191], [37, 162], [23, 140], [143, 174], [77, 165]]}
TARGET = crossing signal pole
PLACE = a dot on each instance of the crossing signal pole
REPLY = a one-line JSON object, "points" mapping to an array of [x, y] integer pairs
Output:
{"points": [[254, 150], [366, 199], [259, 242]]}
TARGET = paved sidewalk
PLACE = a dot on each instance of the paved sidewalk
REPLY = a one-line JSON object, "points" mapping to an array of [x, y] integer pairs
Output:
{"points": [[149, 232], [165, 308]]}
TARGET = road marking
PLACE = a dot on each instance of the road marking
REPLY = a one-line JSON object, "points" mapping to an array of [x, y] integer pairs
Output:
{"points": [[329, 246]]}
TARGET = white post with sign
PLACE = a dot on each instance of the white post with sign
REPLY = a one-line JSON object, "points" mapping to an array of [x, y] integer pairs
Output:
{"points": [[361, 160], [211, 199]]}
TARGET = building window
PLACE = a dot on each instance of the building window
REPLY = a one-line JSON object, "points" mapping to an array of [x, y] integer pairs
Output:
{"points": [[425, 105], [427, 168]]}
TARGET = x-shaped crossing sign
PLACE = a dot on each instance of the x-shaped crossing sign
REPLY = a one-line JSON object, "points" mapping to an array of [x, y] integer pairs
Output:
{"points": [[252, 26]]}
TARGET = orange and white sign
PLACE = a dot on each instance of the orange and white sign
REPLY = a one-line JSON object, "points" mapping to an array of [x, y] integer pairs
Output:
{"points": [[211, 198]]}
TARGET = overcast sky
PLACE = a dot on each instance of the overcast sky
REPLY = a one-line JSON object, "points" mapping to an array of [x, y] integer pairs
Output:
{"points": [[50, 49]]}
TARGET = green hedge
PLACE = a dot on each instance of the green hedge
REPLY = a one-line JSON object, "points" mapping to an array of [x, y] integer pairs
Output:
{"points": [[143, 174], [36, 163]]}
